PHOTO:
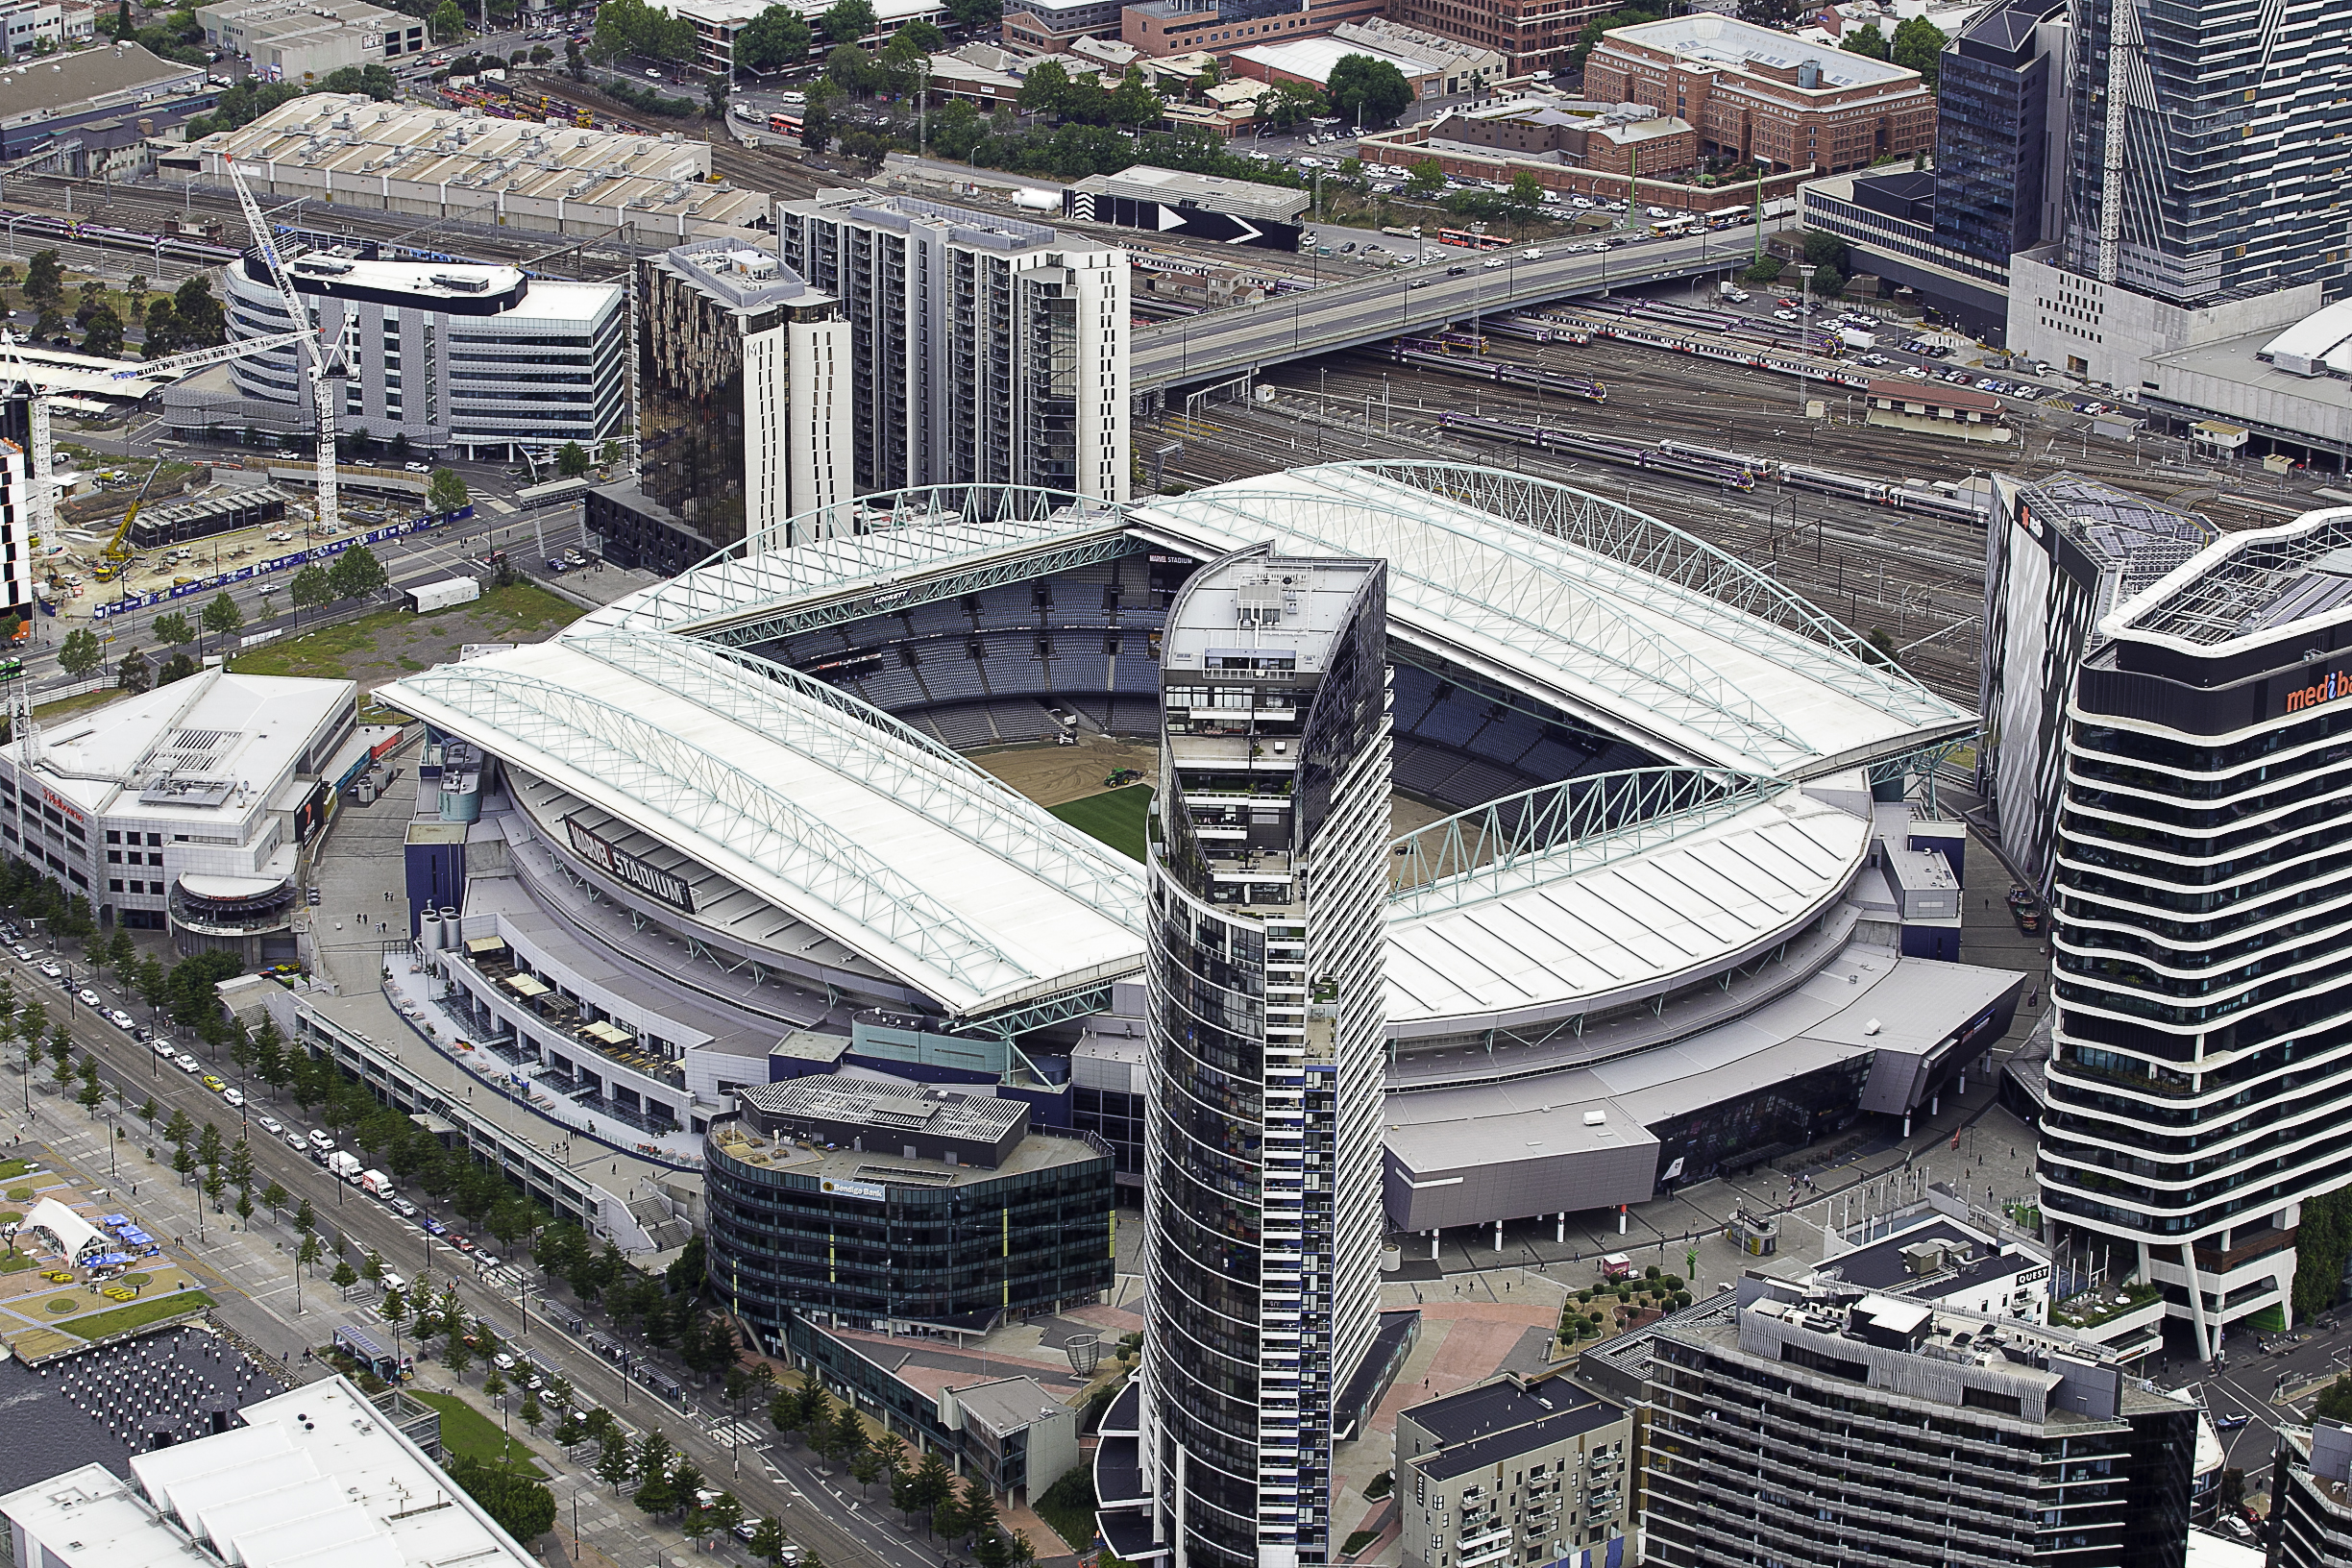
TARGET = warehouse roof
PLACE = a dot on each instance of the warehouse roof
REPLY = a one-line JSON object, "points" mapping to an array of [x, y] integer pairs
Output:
{"points": [[119, 74]]}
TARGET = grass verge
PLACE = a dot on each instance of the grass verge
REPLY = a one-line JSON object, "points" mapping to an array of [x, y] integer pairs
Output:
{"points": [[1116, 817], [502, 614], [154, 1310], [468, 1433], [1068, 1507]]}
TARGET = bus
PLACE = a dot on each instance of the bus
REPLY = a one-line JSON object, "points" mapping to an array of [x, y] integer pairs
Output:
{"points": [[1674, 227], [785, 124], [1469, 241], [553, 493]]}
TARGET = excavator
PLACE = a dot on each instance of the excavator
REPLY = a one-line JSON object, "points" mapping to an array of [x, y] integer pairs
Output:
{"points": [[116, 557]]}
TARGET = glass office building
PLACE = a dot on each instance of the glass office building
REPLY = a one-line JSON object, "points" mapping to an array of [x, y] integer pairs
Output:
{"points": [[1993, 102], [2223, 180], [1269, 877]]}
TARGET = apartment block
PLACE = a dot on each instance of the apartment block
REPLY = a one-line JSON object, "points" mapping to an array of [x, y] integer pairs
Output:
{"points": [[1515, 1471], [2310, 1497], [983, 348], [1833, 1427]]}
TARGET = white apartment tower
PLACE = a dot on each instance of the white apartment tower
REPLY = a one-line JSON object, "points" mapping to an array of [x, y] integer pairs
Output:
{"points": [[1268, 875], [987, 351]]}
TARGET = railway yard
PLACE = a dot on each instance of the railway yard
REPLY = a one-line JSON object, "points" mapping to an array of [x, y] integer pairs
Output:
{"points": [[1914, 575]]}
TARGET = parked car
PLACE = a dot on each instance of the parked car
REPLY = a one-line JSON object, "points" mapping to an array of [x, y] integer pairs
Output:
{"points": [[319, 1139], [164, 1048], [294, 1141], [53, 972], [121, 1019], [273, 1126], [212, 1082], [233, 1096], [189, 1064], [405, 1209], [433, 1226]]}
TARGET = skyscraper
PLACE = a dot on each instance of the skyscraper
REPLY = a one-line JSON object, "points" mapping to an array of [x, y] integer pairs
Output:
{"points": [[2205, 154], [1269, 877], [2200, 1080], [984, 350]]}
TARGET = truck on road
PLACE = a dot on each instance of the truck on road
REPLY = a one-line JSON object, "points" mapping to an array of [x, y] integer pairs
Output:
{"points": [[376, 1184], [343, 1166]]}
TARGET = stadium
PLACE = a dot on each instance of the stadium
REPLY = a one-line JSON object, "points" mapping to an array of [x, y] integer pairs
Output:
{"points": [[1671, 892]]}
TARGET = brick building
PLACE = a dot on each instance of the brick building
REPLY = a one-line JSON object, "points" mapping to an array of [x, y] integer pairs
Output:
{"points": [[1529, 35], [1756, 95], [1175, 27]]}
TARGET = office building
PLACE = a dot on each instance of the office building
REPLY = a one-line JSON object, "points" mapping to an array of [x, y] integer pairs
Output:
{"points": [[1432, 64], [1158, 28], [1266, 965], [1758, 96], [301, 40], [864, 1203], [2218, 179], [2310, 1496], [2059, 555], [475, 358], [745, 394], [984, 350], [1530, 35], [1519, 1470], [1995, 87], [1049, 27], [2202, 995], [185, 808], [1838, 1428], [316, 1473]]}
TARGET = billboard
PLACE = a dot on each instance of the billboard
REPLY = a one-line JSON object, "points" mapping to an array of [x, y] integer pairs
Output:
{"points": [[1183, 222], [599, 851]]}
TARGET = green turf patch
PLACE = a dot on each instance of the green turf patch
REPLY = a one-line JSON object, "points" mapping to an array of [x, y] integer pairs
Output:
{"points": [[1116, 817], [10, 1169], [469, 1434], [62, 1304], [521, 613], [9, 1265], [178, 1303], [20, 1194]]}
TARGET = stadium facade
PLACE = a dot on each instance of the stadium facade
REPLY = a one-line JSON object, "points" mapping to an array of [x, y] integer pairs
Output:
{"points": [[1688, 901]]}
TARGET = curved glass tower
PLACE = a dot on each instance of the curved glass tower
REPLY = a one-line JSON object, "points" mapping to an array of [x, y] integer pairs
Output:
{"points": [[1268, 875]]}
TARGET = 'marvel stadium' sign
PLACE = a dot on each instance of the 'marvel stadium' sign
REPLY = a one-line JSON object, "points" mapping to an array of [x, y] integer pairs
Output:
{"points": [[593, 849]]}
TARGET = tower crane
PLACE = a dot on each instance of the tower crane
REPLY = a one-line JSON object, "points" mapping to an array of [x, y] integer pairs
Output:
{"points": [[314, 348], [42, 384]]}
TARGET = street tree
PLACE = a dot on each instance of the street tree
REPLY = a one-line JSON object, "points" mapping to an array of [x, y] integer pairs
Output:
{"points": [[1367, 91], [173, 630], [358, 572], [79, 653], [312, 586], [445, 492], [773, 39]]}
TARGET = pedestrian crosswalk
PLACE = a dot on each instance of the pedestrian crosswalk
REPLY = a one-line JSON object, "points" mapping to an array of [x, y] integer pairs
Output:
{"points": [[741, 1432]]}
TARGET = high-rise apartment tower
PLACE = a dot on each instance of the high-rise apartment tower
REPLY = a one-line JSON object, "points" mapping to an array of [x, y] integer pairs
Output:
{"points": [[985, 350], [1268, 875]]}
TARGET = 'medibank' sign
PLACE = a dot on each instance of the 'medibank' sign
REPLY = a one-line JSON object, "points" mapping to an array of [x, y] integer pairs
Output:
{"points": [[591, 847]]}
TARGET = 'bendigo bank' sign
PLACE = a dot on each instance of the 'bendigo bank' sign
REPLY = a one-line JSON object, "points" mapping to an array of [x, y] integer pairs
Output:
{"points": [[593, 848]]}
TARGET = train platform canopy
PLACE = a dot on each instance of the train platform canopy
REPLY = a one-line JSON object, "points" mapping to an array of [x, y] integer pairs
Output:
{"points": [[660, 719]]}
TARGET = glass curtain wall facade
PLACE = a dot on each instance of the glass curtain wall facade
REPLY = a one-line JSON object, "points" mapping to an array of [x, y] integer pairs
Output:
{"points": [[1993, 105], [2198, 1085], [2225, 180], [1268, 875]]}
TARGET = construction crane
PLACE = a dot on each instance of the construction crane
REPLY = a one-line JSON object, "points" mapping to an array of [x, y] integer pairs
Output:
{"points": [[118, 547], [42, 384], [314, 348]]}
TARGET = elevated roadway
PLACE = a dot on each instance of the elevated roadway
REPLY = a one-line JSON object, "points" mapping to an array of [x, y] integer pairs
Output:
{"points": [[1220, 344]]}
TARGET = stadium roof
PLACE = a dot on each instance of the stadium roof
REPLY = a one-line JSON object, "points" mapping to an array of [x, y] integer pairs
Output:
{"points": [[653, 710]]}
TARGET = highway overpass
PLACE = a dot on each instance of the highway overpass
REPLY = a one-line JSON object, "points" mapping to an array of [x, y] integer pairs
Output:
{"points": [[1222, 344]]}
